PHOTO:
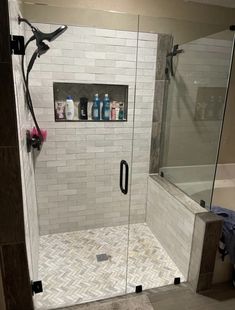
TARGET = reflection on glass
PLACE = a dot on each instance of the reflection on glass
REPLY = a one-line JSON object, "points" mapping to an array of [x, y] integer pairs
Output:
{"points": [[193, 111]]}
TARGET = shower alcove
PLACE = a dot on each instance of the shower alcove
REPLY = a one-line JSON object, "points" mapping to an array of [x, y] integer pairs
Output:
{"points": [[99, 219]]}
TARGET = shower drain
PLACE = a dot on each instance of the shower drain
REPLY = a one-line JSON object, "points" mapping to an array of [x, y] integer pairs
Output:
{"points": [[102, 257]]}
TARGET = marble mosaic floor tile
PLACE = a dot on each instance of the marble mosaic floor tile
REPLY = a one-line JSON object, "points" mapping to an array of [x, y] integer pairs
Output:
{"points": [[71, 273]]}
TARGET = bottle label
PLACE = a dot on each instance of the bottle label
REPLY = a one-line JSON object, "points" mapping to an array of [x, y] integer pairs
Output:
{"points": [[106, 113], [96, 114]]}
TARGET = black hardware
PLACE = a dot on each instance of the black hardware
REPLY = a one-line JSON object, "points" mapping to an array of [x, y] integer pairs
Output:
{"points": [[124, 189], [36, 287], [202, 203], [162, 174], [232, 27], [33, 142], [138, 289], [177, 281], [17, 45], [169, 60]]}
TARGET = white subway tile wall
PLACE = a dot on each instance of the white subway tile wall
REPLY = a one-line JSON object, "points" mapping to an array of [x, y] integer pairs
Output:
{"points": [[77, 171], [24, 122], [172, 223]]}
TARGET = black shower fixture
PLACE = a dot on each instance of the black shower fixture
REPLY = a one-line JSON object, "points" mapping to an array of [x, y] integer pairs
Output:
{"points": [[41, 49], [175, 51]]}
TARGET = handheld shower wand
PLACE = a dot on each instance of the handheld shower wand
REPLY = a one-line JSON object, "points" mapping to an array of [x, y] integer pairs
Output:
{"points": [[175, 51], [39, 36]]}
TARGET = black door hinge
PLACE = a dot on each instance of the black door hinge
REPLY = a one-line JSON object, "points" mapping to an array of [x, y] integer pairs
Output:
{"points": [[36, 287], [138, 289], [203, 203], [177, 281], [17, 45]]}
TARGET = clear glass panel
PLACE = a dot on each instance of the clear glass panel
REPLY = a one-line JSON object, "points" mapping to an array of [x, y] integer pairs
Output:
{"points": [[223, 190], [193, 111], [82, 213], [149, 264], [183, 106]]}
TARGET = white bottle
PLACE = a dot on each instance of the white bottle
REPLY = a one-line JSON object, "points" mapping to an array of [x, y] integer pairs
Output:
{"points": [[69, 108]]}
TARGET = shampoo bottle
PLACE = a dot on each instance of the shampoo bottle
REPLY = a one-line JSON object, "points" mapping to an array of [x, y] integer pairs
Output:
{"points": [[69, 108], [83, 113], [96, 108], [106, 108]]}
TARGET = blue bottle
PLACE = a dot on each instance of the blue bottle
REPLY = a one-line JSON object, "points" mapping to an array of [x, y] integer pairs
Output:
{"points": [[96, 108], [106, 108]]}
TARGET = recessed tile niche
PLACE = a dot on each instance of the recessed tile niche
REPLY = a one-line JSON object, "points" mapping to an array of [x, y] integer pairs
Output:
{"points": [[118, 95]]}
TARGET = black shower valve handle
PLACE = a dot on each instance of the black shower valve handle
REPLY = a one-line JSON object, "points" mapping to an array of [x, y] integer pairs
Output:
{"points": [[34, 142]]}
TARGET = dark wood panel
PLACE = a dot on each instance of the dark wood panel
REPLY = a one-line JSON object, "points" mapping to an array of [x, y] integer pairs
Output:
{"points": [[16, 277], [4, 32], [11, 210], [2, 297], [8, 124]]}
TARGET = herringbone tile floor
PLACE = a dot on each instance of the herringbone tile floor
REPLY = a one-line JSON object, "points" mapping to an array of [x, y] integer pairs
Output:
{"points": [[71, 274]]}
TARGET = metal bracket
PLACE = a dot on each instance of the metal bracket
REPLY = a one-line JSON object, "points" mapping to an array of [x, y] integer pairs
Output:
{"points": [[36, 287], [177, 281], [202, 203], [17, 45], [138, 289]]}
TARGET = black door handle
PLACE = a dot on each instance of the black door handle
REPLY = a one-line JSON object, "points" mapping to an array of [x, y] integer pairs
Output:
{"points": [[124, 189]]}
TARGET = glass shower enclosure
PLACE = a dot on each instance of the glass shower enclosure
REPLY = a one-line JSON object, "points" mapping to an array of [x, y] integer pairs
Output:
{"points": [[93, 239], [195, 100]]}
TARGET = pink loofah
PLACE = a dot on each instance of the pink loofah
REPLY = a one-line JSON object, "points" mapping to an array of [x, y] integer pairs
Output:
{"points": [[34, 132]]}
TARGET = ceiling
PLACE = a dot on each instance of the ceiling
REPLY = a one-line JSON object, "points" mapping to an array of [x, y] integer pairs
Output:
{"points": [[225, 3]]}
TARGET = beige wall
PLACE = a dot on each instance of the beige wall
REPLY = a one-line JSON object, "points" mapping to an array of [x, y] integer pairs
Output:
{"points": [[186, 21], [227, 149], [160, 8]]}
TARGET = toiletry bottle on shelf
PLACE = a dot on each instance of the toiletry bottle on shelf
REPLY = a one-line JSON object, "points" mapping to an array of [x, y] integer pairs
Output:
{"points": [[83, 114], [121, 111], [117, 109], [106, 108], [69, 108], [96, 108], [113, 111]]}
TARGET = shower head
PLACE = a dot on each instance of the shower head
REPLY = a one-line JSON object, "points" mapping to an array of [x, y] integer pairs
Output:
{"points": [[41, 49], [169, 60], [175, 51], [40, 36]]}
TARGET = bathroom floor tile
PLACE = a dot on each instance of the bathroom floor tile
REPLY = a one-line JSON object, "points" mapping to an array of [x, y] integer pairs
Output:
{"points": [[71, 273]]}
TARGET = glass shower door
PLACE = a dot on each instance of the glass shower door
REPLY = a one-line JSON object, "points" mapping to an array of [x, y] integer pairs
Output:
{"points": [[82, 178]]}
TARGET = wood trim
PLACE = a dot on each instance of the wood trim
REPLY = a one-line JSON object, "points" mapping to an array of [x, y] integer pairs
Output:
{"points": [[15, 287]]}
